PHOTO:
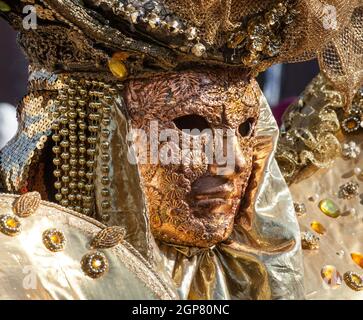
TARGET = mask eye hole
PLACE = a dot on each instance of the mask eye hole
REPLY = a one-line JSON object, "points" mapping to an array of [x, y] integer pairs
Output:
{"points": [[245, 129], [190, 122]]}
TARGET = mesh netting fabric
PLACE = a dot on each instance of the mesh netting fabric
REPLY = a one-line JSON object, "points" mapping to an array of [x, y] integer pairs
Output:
{"points": [[330, 30]]}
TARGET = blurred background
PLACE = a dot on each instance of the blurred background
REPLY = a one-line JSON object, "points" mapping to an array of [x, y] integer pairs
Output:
{"points": [[281, 83]]}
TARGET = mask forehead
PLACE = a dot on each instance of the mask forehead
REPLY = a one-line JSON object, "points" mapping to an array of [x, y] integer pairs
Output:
{"points": [[223, 100]]}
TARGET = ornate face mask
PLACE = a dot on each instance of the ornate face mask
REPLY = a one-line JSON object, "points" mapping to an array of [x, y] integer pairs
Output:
{"points": [[194, 201]]}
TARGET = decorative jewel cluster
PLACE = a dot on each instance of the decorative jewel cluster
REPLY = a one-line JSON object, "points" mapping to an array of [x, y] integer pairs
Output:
{"points": [[154, 16], [54, 240], [353, 280], [10, 225], [349, 190], [94, 264], [309, 241], [264, 35]]}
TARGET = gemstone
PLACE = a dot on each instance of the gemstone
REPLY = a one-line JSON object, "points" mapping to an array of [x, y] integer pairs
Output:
{"points": [[4, 7], [94, 264], [318, 227], [353, 280], [10, 225], [54, 240], [117, 67], [331, 276], [329, 208], [357, 258], [351, 124]]}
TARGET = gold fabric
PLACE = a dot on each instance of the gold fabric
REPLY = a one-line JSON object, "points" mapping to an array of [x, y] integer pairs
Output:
{"points": [[262, 258], [344, 235], [29, 271]]}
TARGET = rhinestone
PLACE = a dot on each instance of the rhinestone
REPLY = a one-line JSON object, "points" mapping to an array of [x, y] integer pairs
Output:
{"points": [[318, 227], [54, 240], [357, 258], [94, 264], [309, 241], [329, 208], [331, 276], [10, 225]]}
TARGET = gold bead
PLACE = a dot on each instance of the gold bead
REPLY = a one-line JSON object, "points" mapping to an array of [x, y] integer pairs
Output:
{"points": [[105, 145], [64, 190], [64, 132], [73, 173], [87, 199], [57, 185], [56, 161], [106, 121], [65, 167], [64, 144], [79, 197], [105, 180], [81, 185], [56, 149], [82, 125], [91, 152], [73, 150], [106, 204], [58, 197], [65, 155], [72, 185], [57, 173], [73, 126], [82, 149], [91, 163], [92, 140], [89, 187], [105, 192], [82, 138], [65, 179], [73, 161], [71, 197], [82, 161], [90, 175], [105, 169], [105, 157], [81, 173], [73, 138], [56, 137], [64, 202]]}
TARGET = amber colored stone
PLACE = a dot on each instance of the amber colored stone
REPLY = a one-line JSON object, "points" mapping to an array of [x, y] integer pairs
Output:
{"points": [[331, 276], [12, 223], [55, 238], [318, 227], [96, 263], [357, 258], [117, 67], [351, 124], [329, 208]]}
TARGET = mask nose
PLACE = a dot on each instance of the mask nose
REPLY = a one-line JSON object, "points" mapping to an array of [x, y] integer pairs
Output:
{"points": [[234, 161]]}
